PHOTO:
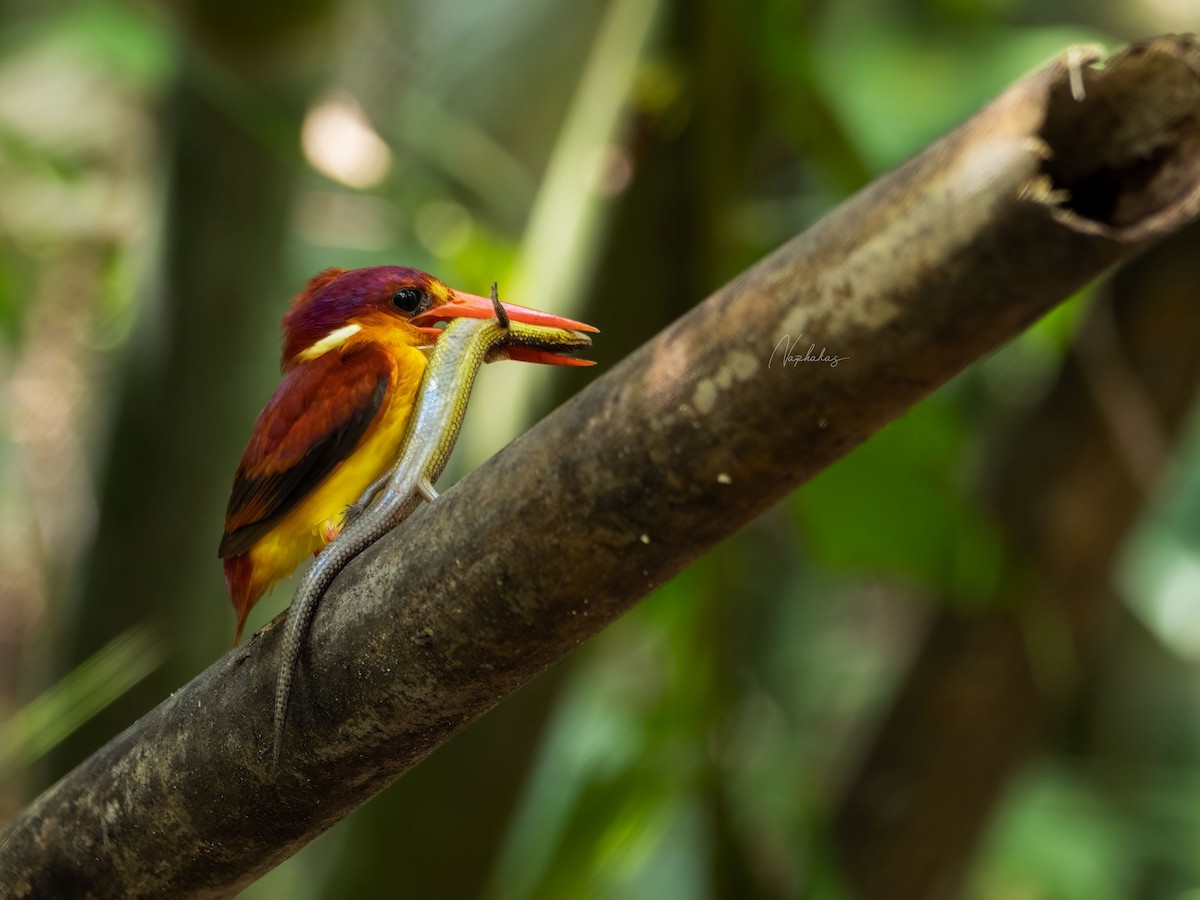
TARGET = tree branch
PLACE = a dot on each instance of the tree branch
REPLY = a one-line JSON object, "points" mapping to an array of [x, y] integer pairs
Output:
{"points": [[675, 449]]}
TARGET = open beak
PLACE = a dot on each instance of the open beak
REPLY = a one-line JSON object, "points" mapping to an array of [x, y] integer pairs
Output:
{"points": [[462, 305]]}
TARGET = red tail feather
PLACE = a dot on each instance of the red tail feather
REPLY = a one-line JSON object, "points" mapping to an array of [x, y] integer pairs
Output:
{"points": [[238, 584]]}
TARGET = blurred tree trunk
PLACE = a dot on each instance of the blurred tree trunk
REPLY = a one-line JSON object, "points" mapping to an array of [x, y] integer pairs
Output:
{"points": [[689, 178], [199, 356], [987, 690], [1134, 732]]}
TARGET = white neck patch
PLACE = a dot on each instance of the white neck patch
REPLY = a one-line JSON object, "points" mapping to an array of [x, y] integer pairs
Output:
{"points": [[331, 341]]}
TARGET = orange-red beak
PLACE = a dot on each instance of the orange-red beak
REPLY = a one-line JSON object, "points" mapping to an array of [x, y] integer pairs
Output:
{"points": [[462, 305]]}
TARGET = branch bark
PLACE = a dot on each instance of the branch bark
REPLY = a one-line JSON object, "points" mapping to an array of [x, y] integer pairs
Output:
{"points": [[679, 446]]}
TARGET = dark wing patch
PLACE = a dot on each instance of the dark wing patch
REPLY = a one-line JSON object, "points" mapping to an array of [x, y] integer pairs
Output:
{"points": [[313, 422]]}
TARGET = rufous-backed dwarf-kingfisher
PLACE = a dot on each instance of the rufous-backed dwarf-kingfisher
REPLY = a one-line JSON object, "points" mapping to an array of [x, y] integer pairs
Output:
{"points": [[354, 355]]}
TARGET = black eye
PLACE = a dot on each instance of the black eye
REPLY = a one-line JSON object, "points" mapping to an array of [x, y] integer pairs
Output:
{"points": [[408, 300]]}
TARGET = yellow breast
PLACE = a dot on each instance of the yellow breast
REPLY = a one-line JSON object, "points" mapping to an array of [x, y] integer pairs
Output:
{"points": [[318, 518]]}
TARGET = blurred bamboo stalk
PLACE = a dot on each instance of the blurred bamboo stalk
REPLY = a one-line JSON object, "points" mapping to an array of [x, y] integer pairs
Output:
{"points": [[561, 237], [687, 440], [41, 724]]}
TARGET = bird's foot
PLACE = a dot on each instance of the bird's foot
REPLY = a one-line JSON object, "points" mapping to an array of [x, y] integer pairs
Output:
{"points": [[328, 530]]}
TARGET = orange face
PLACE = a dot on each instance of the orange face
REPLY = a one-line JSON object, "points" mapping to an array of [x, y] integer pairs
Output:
{"points": [[395, 297]]}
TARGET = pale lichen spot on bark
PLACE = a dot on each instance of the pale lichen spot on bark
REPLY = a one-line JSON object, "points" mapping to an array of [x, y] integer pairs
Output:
{"points": [[704, 398], [745, 365], [793, 324], [737, 366]]}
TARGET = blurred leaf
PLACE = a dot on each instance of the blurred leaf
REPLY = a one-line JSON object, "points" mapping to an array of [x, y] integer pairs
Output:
{"points": [[14, 297], [116, 667], [1057, 839], [132, 42], [1019, 373], [1160, 572], [893, 505], [896, 86], [611, 808]]}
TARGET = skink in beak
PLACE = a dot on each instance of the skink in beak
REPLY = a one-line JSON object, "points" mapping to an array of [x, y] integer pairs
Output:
{"points": [[462, 305]]}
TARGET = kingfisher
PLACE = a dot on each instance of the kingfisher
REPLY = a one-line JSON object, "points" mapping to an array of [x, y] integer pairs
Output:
{"points": [[355, 345]]}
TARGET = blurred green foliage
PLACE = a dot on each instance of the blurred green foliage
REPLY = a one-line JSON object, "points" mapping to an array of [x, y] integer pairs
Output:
{"points": [[695, 749], [45, 721]]}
